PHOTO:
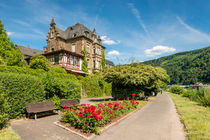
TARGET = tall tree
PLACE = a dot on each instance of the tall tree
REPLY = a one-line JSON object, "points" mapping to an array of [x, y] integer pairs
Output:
{"points": [[103, 63], [85, 62], [8, 52]]}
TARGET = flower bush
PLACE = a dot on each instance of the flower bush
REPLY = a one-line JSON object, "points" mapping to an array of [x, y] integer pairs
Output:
{"points": [[90, 118]]}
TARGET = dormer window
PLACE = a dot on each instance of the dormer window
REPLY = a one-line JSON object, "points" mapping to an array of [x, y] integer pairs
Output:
{"points": [[86, 33], [71, 28], [52, 49], [74, 35]]}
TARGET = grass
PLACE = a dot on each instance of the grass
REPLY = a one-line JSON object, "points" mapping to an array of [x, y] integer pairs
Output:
{"points": [[7, 134], [195, 118]]}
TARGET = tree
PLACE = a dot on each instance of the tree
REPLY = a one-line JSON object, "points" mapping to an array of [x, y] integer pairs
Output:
{"points": [[85, 62], [135, 78], [39, 62], [8, 52], [103, 63]]}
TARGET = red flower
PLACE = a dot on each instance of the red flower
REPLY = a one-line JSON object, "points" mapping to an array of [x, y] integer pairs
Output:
{"points": [[134, 94], [81, 115], [87, 125], [65, 107], [121, 107], [96, 118], [76, 113], [94, 114], [85, 111], [88, 116], [74, 105], [99, 111], [128, 98], [137, 102], [101, 117]]}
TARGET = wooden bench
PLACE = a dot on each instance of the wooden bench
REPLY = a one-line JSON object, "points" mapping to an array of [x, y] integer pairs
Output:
{"points": [[69, 102], [34, 108]]}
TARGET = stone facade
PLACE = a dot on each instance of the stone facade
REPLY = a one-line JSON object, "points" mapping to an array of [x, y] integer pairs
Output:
{"points": [[65, 48]]}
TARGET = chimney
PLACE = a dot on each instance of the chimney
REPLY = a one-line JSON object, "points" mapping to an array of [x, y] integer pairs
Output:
{"points": [[44, 49]]}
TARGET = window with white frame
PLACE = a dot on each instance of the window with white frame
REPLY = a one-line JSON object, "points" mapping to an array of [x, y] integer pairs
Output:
{"points": [[75, 60], [73, 47], [71, 60], [98, 50], [88, 48]]}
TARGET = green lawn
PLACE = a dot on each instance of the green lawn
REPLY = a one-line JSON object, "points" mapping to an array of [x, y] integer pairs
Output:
{"points": [[195, 118], [7, 134]]}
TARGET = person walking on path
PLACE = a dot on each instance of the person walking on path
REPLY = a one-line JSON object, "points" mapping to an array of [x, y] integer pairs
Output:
{"points": [[161, 91]]}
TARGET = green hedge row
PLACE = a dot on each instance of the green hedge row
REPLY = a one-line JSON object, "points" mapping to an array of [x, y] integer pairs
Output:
{"points": [[201, 96], [4, 117], [21, 70], [94, 86], [18, 89]]}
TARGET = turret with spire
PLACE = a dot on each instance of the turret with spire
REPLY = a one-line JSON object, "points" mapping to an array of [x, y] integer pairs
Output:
{"points": [[52, 22]]}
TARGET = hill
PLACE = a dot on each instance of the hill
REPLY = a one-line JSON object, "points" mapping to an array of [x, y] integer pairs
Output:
{"points": [[186, 67]]}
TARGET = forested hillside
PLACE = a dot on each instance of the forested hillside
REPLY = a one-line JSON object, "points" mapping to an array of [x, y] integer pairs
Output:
{"points": [[186, 67]]}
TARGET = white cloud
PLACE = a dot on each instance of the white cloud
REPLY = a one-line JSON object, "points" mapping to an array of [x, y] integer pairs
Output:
{"points": [[195, 34], [137, 15], [10, 33], [113, 53], [108, 41], [158, 50]]}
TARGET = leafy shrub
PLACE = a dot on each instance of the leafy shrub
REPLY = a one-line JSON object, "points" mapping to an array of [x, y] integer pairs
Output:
{"points": [[62, 87], [90, 117], [176, 89], [191, 94], [39, 62], [57, 69], [204, 97], [135, 77], [56, 100], [3, 115], [108, 88], [19, 89]]}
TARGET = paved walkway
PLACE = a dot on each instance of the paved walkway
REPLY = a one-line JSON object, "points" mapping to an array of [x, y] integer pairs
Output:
{"points": [[158, 120]]}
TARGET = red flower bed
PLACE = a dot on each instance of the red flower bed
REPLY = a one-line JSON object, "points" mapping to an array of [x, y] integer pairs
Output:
{"points": [[90, 118]]}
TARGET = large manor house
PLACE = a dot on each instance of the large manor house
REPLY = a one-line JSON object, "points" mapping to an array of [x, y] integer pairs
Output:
{"points": [[65, 48]]}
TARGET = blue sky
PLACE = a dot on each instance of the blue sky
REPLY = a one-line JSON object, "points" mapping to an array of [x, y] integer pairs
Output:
{"points": [[131, 30]]}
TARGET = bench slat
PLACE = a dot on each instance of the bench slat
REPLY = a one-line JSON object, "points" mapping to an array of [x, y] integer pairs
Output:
{"points": [[69, 102], [39, 107]]}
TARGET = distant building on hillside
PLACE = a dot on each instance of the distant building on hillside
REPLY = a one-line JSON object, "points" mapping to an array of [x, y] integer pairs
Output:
{"points": [[65, 48], [28, 52], [109, 64]]}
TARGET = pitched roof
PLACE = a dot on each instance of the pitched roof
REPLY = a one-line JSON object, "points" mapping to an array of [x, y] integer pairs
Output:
{"points": [[108, 62], [74, 31], [28, 52]]}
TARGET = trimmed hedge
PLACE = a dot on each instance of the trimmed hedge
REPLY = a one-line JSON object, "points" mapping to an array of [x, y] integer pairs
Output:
{"points": [[21, 70], [94, 86], [3, 108], [127, 93], [19, 89], [64, 88]]}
